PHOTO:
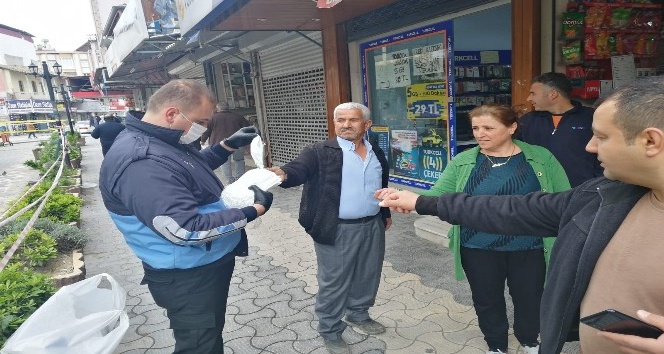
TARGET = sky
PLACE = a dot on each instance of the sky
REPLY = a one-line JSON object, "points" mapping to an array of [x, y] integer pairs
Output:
{"points": [[65, 23]]}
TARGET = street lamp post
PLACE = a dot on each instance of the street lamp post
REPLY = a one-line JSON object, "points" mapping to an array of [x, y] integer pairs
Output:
{"points": [[34, 70], [65, 99]]}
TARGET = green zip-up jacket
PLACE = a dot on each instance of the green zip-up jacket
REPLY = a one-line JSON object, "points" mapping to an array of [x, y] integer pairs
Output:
{"points": [[549, 172]]}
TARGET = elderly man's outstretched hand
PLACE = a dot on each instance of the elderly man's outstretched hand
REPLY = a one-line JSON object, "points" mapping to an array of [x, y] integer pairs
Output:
{"points": [[242, 137], [400, 201]]}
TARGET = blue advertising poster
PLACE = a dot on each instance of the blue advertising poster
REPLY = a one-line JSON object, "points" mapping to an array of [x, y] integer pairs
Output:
{"points": [[405, 153], [432, 161], [380, 134]]}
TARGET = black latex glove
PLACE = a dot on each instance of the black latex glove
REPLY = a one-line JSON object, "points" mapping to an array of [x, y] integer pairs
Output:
{"points": [[242, 137], [262, 197]]}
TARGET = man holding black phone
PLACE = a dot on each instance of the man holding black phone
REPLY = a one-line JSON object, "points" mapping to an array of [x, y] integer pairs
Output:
{"points": [[608, 249]]}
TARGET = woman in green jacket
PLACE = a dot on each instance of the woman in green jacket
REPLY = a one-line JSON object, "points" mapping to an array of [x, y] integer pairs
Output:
{"points": [[501, 166]]}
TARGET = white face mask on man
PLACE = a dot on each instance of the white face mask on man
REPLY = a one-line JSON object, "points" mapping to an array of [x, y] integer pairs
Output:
{"points": [[194, 132]]}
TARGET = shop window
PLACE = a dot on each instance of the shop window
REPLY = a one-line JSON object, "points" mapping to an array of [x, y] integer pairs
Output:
{"points": [[408, 85], [608, 44]]}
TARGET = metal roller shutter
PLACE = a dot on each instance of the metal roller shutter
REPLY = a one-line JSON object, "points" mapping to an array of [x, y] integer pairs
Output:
{"points": [[294, 96], [196, 73]]}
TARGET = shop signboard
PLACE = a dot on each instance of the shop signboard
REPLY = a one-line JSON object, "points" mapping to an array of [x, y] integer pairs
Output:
{"points": [[196, 14], [117, 104], [408, 85], [42, 106], [3, 108], [130, 31], [19, 106]]}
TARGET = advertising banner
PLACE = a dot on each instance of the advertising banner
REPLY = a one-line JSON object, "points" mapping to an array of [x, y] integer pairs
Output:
{"points": [[380, 134], [405, 152], [432, 162], [427, 101]]}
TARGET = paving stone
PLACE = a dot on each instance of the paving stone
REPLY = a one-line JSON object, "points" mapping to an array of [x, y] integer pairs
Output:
{"points": [[284, 334], [246, 318], [245, 306], [303, 330], [281, 347], [420, 328], [242, 345], [242, 332], [299, 316]]}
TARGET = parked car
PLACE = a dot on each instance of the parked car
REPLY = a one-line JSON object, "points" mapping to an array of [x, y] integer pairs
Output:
{"points": [[83, 127]]}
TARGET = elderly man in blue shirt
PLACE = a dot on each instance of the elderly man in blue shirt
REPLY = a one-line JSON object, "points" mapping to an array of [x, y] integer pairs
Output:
{"points": [[338, 210]]}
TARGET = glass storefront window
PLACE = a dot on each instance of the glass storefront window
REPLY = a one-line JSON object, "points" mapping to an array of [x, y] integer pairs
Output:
{"points": [[408, 86]]}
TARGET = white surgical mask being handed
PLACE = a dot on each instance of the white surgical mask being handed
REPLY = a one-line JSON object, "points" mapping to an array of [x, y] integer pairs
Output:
{"points": [[194, 132]]}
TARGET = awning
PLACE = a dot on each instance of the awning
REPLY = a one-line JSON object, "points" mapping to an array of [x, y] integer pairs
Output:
{"points": [[97, 94]]}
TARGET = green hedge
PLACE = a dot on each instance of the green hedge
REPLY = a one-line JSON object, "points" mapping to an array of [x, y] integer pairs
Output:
{"points": [[22, 291]]}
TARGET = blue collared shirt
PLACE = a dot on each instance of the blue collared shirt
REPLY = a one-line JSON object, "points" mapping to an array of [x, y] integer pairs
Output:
{"points": [[359, 180]]}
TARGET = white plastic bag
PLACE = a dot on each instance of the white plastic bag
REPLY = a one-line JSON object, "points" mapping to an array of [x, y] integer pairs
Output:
{"points": [[238, 194], [78, 318], [257, 149]]}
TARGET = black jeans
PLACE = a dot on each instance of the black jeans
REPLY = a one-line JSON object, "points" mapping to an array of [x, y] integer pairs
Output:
{"points": [[486, 272], [195, 303]]}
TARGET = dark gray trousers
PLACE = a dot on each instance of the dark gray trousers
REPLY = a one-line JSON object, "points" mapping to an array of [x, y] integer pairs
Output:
{"points": [[348, 275]]}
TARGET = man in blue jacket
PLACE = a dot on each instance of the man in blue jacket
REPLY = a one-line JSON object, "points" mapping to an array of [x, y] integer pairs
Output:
{"points": [[164, 197], [561, 125], [608, 252]]}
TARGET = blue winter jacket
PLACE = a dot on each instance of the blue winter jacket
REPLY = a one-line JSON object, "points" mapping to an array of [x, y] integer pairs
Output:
{"points": [[567, 142], [165, 198]]}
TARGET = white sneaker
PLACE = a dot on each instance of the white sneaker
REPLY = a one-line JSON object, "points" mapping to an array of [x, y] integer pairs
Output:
{"points": [[498, 351], [530, 350]]}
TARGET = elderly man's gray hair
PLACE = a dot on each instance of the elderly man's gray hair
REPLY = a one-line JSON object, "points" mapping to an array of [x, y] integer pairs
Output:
{"points": [[366, 113]]}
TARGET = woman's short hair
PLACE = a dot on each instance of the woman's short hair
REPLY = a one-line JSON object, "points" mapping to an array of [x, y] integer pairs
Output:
{"points": [[504, 114]]}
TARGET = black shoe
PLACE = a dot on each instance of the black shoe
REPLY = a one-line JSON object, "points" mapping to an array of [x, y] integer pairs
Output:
{"points": [[336, 346], [368, 326]]}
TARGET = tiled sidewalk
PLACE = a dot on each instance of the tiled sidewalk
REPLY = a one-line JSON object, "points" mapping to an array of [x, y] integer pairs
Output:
{"points": [[270, 305]]}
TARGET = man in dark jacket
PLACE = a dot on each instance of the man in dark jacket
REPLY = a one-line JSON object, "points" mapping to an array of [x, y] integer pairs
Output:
{"points": [[348, 227], [561, 125], [221, 126], [107, 132], [163, 196], [608, 250]]}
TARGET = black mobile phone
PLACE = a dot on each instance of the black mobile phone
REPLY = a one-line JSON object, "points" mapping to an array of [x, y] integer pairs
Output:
{"points": [[617, 322]]}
